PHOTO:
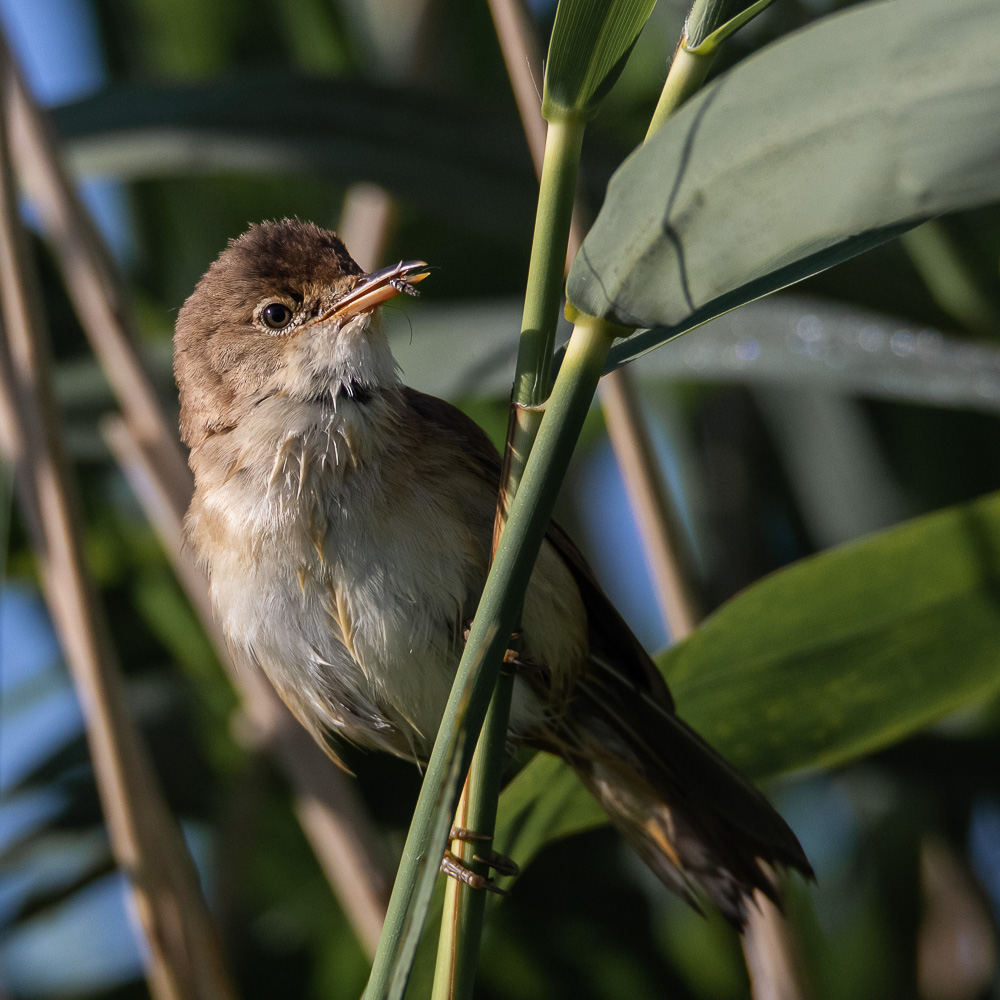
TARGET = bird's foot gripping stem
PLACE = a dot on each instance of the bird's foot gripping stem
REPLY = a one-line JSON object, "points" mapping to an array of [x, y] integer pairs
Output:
{"points": [[511, 657], [452, 865]]}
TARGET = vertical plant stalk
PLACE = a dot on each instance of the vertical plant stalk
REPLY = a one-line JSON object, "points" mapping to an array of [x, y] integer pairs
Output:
{"points": [[91, 278], [555, 150], [182, 955], [334, 820], [455, 970], [768, 944], [462, 920], [475, 680], [464, 908], [951, 282], [669, 565], [366, 220], [547, 266], [687, 73], [771, 952], [447, 969], [652, 507]]}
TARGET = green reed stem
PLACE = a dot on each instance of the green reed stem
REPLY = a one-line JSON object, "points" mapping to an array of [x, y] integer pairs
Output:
{"points": [[547, 266], [462, 918], [687, 73], [535, 475], [464, 908], [477, 674]]}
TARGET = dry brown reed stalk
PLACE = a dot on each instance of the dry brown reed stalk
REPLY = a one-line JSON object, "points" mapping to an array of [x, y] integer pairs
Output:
{"points": [[183, 961], [771, 952], [768, 943], [92, 280], [344, 839], [366, 222], [663, 546]]}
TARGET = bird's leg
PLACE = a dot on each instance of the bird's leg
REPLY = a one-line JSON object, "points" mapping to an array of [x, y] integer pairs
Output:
{"points": [[452, 865]]}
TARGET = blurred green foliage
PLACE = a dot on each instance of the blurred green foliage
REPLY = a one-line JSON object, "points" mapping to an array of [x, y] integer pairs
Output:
{"points": [[585, 920]]}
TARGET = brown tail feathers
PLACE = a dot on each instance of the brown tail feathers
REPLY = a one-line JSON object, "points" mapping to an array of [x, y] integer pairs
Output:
{"points": [[701, 826]]}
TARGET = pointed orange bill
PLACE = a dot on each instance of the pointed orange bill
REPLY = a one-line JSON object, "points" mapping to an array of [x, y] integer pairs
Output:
{"points": [[375, 288]]}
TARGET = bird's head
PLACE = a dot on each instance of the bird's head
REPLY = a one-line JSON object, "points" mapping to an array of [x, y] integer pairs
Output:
{"points": [[285, 310]]}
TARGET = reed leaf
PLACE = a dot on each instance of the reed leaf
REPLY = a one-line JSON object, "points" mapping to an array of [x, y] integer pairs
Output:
{"points": [[435, 152], [821, 146], [591, 42], [711, 22]]}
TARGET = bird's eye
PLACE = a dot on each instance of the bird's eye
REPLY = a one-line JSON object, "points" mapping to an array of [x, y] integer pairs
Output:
{"points": [[276, 315]]}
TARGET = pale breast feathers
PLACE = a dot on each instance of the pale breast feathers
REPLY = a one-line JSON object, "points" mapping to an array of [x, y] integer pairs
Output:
{"points": [[352, 591]]}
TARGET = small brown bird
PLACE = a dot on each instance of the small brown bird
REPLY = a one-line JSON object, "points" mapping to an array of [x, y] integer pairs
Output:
{"points": [[345, 521]]}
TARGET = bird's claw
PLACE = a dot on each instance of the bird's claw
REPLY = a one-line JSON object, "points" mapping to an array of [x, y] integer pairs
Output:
{"points": [[500, 863], [452, 865]]}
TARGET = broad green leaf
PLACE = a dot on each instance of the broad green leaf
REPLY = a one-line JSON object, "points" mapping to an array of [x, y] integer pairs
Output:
{"points": [[591, 42], [544, 802], [815, 149], [851, 650], [433, 152], [467, 351], [837, 656]]}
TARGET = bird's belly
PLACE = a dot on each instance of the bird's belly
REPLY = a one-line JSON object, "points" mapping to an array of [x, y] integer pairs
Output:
{"points": [[364, 639], [377, 673], [356, 612]]}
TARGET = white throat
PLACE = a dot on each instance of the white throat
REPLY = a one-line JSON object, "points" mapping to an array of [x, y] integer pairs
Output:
{"points": [[340, 360]]}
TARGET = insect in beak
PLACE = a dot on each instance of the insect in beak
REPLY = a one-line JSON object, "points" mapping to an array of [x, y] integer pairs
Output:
{"points": [[379, 286]]}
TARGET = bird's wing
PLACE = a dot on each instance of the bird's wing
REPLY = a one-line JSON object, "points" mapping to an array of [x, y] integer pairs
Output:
{"points": [[610, 637], [694, 819], [477, 446], [611, 640]]}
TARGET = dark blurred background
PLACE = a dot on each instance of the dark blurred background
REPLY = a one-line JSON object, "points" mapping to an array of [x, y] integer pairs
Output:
{"points": [[786, 428]]}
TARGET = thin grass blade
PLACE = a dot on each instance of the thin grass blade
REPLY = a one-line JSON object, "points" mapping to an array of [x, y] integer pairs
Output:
{"points": [[711, 22]]}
